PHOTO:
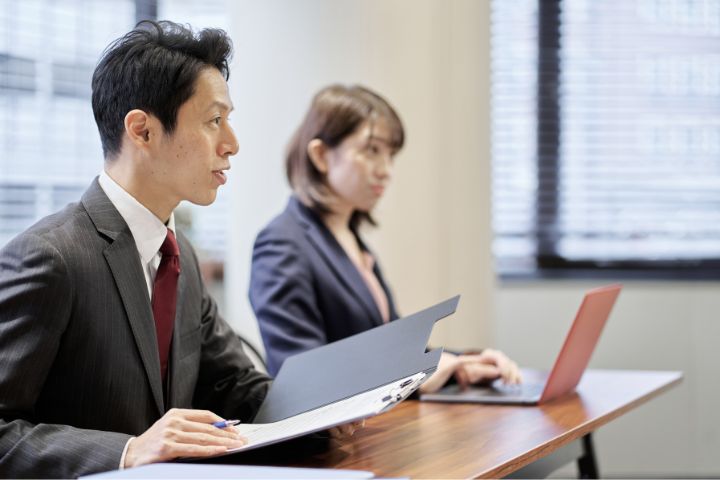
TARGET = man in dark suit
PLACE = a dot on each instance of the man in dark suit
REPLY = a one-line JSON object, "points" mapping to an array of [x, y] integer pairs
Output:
{"points": [[110, 357]]}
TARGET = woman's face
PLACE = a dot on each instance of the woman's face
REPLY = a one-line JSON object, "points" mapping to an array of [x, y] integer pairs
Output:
{"points": [[359, 169]]}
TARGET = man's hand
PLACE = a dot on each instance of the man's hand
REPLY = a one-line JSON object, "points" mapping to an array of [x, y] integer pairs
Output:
{"points": [[474, 368], [182, 433]]}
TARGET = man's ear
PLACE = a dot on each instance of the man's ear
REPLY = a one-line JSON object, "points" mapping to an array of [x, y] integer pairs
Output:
{"points": [[317, 151], [139, 127]]}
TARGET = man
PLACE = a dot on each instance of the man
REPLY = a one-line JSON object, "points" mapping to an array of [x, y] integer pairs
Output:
{"points": [[110, 358]]}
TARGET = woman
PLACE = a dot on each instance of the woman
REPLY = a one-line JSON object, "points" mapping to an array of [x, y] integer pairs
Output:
{"points": [[314, 281]]}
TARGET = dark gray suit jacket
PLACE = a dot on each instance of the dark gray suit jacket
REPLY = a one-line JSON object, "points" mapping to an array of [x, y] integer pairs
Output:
{"points": [[79, 367], [304, 289]]}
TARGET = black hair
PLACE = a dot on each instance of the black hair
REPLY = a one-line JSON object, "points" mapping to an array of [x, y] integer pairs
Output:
{"points": [[152, 68]]}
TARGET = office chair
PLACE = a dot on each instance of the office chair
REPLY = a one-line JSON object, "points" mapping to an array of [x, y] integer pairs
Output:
{"points": [[254, 353]]}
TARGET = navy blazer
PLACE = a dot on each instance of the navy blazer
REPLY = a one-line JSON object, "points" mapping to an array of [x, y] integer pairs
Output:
{"points": [[304, 289]]}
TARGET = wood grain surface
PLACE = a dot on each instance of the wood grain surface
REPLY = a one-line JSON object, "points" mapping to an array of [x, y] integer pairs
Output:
{"points": [[439, 440]]}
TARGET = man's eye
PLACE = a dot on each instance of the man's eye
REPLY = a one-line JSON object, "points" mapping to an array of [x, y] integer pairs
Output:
{"points": [[217, 120]]}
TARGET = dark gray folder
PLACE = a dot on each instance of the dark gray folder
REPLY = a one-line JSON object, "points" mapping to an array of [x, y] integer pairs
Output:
{"points": [[354, 365]]}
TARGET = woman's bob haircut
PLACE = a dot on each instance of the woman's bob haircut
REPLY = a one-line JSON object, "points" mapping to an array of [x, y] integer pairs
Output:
{"points": [[335, 113]]}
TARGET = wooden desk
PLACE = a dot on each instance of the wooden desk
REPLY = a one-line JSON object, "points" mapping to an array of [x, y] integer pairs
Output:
{"points": [[436, 440]]}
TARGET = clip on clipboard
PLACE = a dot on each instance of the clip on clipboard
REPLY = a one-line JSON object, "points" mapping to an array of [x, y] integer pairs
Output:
{"points": [[401, 391]]}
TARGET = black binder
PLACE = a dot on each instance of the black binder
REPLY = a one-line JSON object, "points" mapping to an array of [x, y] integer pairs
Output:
{"points": [[354, 365]]}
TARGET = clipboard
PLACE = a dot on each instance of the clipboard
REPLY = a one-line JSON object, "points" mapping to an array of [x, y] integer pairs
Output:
{"points": [[357, 407], [354, 365], [345, 381]]}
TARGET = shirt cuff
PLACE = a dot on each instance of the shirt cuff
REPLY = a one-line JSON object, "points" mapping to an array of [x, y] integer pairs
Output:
{"points": [[122, 459]]}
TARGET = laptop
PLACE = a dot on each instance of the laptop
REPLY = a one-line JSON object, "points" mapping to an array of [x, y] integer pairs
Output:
{"points": [[569, 365]]}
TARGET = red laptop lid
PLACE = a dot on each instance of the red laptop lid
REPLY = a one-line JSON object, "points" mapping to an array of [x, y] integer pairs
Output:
{"points": [[580, 341]]}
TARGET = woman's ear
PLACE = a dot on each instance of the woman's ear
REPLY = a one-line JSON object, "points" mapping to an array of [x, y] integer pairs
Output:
{"points": [[317, 151]]}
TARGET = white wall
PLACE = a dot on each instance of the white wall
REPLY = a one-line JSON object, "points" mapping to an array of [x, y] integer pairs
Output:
{"points": [[431, 59]]}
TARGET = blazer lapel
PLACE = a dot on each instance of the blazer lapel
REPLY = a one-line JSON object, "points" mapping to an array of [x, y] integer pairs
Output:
{"points": [[336, 257], [124, 262]]}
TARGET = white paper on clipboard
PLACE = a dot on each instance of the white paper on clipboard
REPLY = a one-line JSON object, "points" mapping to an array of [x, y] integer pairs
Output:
{"points": [[357, 407]]}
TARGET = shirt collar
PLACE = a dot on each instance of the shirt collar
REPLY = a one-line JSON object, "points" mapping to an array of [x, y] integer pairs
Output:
{"points": [[147, 229]]}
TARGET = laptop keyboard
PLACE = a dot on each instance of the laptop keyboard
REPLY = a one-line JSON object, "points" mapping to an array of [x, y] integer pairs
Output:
{"points": [[523, 389]]}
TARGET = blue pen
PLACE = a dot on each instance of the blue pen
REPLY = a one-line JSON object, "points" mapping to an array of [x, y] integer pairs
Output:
{"points": [[226, 423]]}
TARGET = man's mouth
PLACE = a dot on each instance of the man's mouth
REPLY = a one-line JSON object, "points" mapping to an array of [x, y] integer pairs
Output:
{"points": [[220, 176]]}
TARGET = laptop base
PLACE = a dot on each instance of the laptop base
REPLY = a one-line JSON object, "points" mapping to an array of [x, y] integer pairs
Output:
{"points": [[524, 394]]}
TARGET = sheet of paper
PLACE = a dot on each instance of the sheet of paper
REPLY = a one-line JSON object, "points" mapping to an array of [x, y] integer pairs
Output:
{"points": [[354, 408], [216, 472]]}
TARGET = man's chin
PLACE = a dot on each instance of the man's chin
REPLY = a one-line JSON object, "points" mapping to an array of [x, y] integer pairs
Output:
{"points": [[205, 200]]}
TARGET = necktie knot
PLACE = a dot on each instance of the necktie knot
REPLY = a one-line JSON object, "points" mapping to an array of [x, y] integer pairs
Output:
{"points": [[170, 246]]}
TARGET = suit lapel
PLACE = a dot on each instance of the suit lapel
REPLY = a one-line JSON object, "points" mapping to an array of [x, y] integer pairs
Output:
{"points": [[124, 262], [346, 272]]}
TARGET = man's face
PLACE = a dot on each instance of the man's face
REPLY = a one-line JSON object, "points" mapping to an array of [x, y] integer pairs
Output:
{"points": [[190, 163]]}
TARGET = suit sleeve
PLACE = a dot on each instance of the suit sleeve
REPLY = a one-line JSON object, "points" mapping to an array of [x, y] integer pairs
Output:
{"points": [[228, 383], [35, 302], [283, 297]]}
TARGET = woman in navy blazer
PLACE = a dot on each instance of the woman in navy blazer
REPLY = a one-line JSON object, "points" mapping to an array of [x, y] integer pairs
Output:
{"points": [[314, 280]]}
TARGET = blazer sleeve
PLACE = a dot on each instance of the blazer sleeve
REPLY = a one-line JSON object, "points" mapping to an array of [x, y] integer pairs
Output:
{"points": [[228, 382], [283, 297], [35, 303]]}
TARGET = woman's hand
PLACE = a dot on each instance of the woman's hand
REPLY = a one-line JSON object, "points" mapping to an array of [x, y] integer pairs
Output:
{"points": [[473, 368], [486, 366]]}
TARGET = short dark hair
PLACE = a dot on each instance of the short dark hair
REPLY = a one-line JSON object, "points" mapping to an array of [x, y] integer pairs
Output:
{"points": [[335, 113], [152, 68]]}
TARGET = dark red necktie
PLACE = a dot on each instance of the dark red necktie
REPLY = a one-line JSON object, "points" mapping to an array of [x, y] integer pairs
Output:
{"points": [[165, 296]]}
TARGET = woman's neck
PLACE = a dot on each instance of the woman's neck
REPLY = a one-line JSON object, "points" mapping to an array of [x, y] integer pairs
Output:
{"points": [[338, 222], [339, 225]]}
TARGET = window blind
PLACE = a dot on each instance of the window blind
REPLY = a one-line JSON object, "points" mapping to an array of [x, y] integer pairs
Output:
{"points": [[606, 134], [49, 145]]}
